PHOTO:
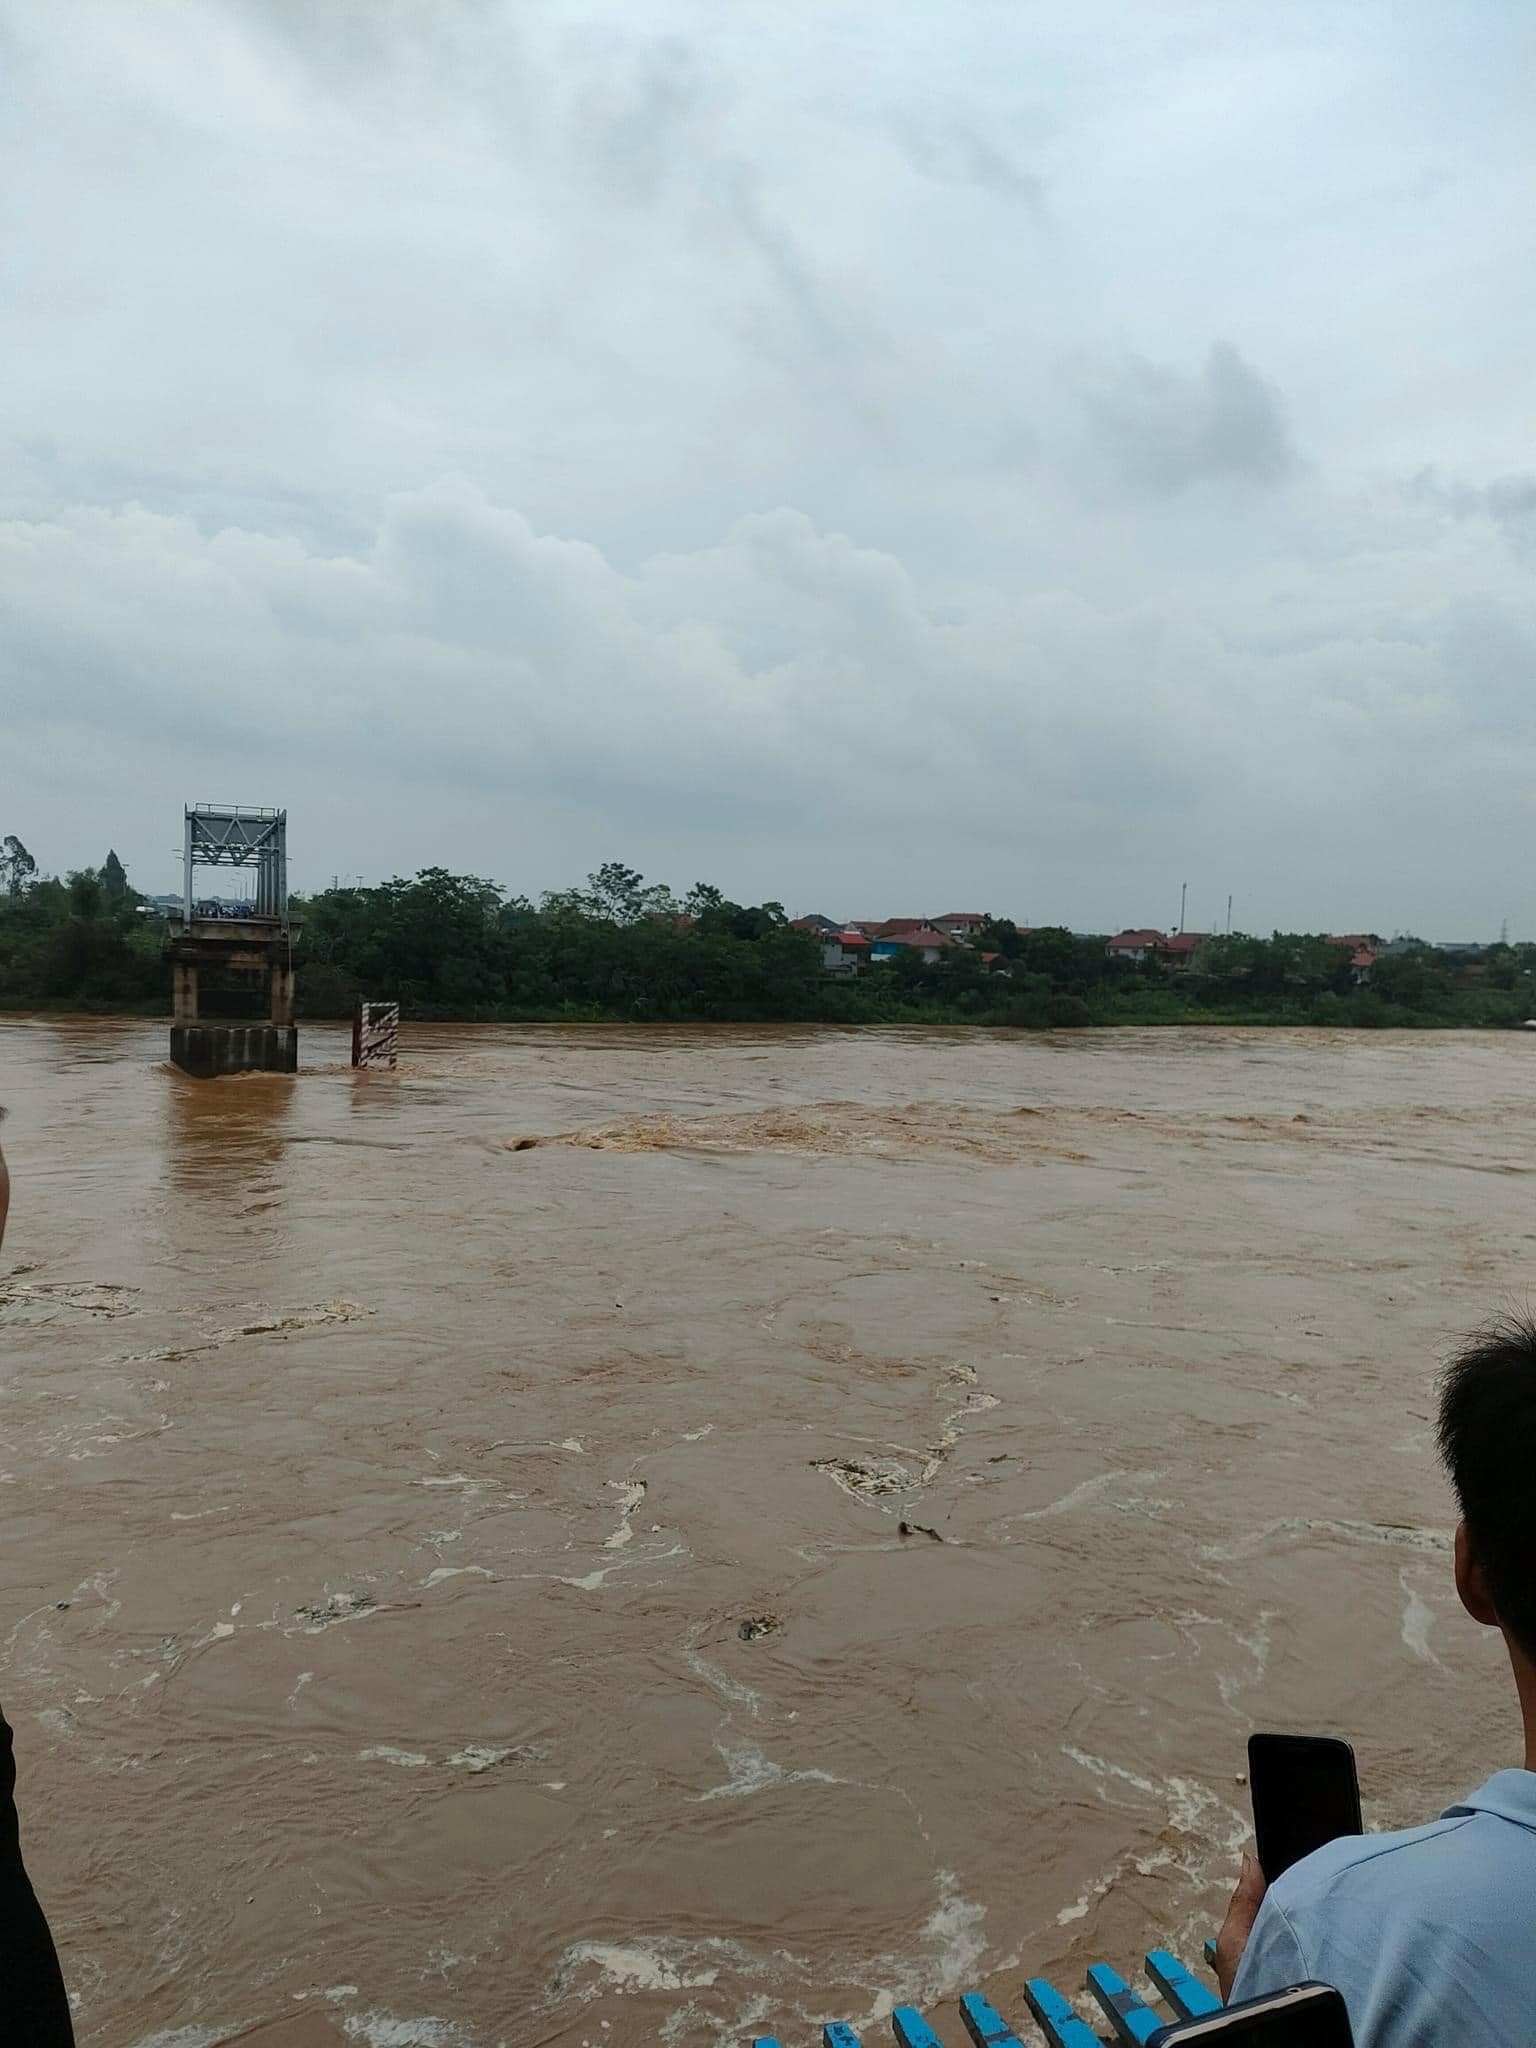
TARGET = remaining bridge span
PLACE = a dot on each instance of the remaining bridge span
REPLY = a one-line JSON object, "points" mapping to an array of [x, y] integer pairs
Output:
{"points": [[232, 970]]}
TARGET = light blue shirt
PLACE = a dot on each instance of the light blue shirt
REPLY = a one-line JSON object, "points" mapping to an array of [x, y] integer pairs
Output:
{"points": [[1429, 1934]]}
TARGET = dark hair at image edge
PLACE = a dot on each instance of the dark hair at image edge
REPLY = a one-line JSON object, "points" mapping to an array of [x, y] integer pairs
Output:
{"points": [[1488, 1441]]}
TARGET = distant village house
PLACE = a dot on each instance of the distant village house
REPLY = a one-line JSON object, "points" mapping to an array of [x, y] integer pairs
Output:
{"points": [[1174, 949]]}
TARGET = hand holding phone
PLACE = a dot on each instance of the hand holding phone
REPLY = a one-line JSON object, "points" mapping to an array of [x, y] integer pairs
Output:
{"points": [[1305, 1792]]}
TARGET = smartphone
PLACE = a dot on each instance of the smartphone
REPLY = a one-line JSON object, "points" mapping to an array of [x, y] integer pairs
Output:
{"points": [[1305, 2016], [1305, 1792]]}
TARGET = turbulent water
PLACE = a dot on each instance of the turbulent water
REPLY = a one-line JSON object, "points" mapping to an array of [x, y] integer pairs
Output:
{"points": [[820, 1521]]}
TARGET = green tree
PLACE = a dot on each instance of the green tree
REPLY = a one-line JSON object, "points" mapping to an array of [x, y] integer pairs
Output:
{"points": [[1000, 935], [617, 892], [1066, 962], [1419, 980], [16, 864], [86, 894], [114, 878], [702, 898]]}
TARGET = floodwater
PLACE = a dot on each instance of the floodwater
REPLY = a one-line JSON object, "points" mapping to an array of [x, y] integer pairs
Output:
{"points": [[458, 1585]]}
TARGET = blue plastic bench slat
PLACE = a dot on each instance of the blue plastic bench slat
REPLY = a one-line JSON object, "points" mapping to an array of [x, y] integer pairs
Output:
{"points": [[985, 2024], [765, 2041], [1058, 2022], [838, 2034], [1131, 2020], [912, 2030], [1186, 1994]]}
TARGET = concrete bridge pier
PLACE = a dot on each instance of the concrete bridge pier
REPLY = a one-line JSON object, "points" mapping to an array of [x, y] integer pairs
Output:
{"points": [[238, 969], [234, 963], [207, 1050]]}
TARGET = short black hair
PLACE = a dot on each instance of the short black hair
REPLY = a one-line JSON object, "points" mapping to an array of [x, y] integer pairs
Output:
{"points": [[1488, 1442]]}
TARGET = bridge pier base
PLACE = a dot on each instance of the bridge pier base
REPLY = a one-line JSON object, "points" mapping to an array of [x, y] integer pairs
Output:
{"points": [[208, 1050], [232, 998]]}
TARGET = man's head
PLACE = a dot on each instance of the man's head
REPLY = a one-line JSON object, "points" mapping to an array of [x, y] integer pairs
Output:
{"points": [[1488, 1442]]}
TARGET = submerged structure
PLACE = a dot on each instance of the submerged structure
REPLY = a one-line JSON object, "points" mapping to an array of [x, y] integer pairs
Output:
{"points": [[232, 961]]}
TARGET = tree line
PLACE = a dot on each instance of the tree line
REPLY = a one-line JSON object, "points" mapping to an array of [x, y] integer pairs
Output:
{"points": [[624, 949]]}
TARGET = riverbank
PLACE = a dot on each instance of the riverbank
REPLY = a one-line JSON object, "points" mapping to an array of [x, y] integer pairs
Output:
{"points": [[1154, 1012], [457, 948]]}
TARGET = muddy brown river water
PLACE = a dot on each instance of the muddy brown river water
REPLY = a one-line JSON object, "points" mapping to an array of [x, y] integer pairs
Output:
{"points": [[457, 1584]]}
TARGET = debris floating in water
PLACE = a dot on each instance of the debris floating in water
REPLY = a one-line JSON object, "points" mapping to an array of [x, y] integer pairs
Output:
{"points": [[759, 1625]]}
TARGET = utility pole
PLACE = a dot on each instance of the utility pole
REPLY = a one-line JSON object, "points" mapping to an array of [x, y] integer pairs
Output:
{"points": [[1229, 915], [1183, 898]]}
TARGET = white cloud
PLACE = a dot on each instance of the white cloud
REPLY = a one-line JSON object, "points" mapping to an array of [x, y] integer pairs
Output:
{"points": [[854, 456], [783, 706]]}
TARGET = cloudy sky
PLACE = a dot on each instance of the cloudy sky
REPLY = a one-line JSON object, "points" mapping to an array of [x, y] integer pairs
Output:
{"points": [[889, 456]]}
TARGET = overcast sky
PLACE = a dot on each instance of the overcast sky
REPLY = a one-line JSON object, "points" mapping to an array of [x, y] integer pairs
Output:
{"points": [[889, 456]]}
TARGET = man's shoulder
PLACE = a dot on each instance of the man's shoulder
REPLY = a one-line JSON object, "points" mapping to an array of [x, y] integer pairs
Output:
{"points": [[1370, 1862], [1469, 1852], [1426, 1932]]}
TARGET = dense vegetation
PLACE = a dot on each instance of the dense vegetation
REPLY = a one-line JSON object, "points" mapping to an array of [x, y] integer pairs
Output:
{"points": [[458, 946]]}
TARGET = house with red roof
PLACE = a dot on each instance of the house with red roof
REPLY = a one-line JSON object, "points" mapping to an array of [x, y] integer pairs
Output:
{"points": [[1174, 949], [960, 924], [1179, 948], [914, 937], [843, 952], [1138, 945]]}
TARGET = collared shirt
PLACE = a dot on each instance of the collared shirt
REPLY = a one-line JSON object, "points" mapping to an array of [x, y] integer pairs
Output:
{"points": [[1430, 1934]]}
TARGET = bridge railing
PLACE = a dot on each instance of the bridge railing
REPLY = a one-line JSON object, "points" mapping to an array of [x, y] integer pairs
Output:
{"points": [[1176, 1993]]}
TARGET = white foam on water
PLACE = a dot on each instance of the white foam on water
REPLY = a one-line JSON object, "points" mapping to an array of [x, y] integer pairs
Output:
{"points": [[384, 1753], [694, 1436], [1085, 1490], [383, 2030], [946, 1960], [729, 1688], [1101, 1767], [662, 1964], [633, 1491], [1254, 1641], [684, 2022], [1418, 1619], [751, 1771], [478, 1756], [1391, 1535], [183, 2037], [217, 1634], [591, 1582], [954, 1926], [455, 1571]]}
